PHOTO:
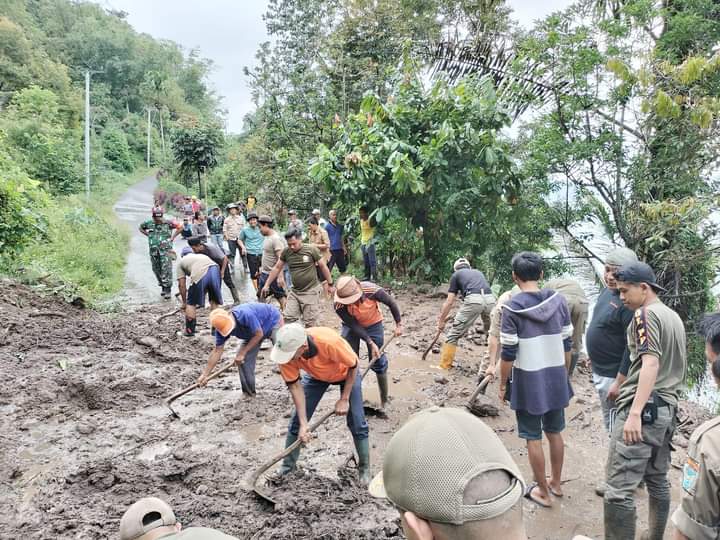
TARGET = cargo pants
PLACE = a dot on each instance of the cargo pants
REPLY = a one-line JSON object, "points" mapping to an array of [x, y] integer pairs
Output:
{"points": [[162, 267], [648, 460], [473, 306], [303, 306]]}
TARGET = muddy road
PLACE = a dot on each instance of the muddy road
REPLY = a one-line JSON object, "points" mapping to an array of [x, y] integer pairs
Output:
{"points": [[85, 433]]}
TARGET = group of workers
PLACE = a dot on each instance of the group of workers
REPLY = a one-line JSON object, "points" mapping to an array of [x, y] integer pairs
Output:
{"points": [[635, 345]]}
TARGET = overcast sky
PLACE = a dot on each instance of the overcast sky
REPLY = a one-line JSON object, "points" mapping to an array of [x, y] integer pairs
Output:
{"points": [[229, 32]]}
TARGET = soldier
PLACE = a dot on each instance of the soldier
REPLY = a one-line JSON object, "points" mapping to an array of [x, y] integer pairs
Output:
{"points": [[698, 516], [578, 304], [161, 234], [643, 428]]}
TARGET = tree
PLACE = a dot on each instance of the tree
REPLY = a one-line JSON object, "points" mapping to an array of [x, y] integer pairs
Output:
{"points": [[195, 144], [434, 160]]}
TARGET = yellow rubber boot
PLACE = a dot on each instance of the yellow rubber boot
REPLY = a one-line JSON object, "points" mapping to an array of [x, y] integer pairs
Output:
{"points": [[447, 355]]}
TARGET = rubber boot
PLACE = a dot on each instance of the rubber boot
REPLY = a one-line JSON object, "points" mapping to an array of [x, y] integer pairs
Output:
{"points": [[658, 512], [382, 380], [619, 522], [190, 325], [235, 295], [573, 362], [362, 446], [290, 461], [447, 355]]}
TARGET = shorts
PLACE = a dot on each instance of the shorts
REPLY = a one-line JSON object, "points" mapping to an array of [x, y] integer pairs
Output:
{"points": [[210, 284], [531, 426], [275, 290]]}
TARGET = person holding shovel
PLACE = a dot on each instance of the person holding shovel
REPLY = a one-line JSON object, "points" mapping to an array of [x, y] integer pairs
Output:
{"points": [[218, 256], [478, 301], [204, 275], [252, 323], [326, 358], [356, 303]]}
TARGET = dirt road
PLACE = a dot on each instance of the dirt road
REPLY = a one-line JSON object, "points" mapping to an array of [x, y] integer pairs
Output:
{"points": [[84, 432]]}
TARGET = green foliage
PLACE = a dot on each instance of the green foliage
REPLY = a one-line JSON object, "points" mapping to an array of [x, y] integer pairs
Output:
{"points": [[116, 150], [433, 159], [21, 201], [196, 144]]}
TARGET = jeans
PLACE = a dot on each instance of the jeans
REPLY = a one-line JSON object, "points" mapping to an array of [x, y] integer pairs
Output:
{"points": [[314, 391], [602, 385], [377, 334], [217, 239], [246, 370], [337, 257], [369, 260]]}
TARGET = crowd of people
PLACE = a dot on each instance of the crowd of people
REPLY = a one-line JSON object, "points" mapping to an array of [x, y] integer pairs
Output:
{"points": [[445, 470]]}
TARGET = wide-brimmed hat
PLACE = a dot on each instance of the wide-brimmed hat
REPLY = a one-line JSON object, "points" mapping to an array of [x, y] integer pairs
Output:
{"points": [[347, 290]]}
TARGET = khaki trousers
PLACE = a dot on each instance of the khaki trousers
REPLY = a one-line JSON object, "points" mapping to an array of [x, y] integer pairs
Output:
{"points": [[303, 306]]}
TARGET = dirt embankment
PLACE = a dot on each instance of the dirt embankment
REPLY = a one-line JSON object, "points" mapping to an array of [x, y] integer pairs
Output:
{"points": [[85, 433]]}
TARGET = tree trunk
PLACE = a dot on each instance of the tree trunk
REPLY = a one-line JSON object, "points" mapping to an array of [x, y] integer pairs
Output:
{"points": [[201, 193]]}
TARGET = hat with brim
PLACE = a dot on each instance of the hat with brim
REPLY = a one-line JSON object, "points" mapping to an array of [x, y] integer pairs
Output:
{"points": [[290, 338], [145, 515], [347, 290]]}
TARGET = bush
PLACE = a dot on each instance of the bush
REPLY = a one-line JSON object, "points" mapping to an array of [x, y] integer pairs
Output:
{"points": [[116, 150]]}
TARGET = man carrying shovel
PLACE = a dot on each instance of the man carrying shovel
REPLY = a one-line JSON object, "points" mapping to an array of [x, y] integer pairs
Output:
{"points": [[356, 303], [252, 323], [326, 358]]}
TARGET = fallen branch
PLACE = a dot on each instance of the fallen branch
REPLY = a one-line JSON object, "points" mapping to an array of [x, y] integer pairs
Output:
{"points": [[47, 314]]}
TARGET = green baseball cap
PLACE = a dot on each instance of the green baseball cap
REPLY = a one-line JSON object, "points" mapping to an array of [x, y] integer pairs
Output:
{"points": [[432, 459]]}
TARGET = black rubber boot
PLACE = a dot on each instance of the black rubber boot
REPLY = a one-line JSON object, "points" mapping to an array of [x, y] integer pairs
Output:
{"points": [[382, 380], [235, 296], [289, 463], [619, 522], [658, 512]]}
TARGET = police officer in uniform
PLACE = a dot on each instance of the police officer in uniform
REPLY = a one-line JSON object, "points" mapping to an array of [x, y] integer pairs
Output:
{"points": [[698, 517], [161, 234], [643, 426]]}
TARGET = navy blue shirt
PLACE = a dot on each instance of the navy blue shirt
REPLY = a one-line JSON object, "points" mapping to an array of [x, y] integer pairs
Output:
{"points": [[335, 233], [249, 318], [606, 335]]}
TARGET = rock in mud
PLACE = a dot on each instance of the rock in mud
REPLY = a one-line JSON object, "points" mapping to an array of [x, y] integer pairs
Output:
{"points": [[441, 379]]}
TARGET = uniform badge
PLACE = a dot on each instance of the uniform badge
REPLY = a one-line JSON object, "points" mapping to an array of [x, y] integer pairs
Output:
{"points": [[306, 258], [690, 474]]}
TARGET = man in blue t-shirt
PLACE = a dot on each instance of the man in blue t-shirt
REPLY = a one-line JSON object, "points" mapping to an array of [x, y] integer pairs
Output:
{"points": [[251, 241], [338, 249], [252, 323]]}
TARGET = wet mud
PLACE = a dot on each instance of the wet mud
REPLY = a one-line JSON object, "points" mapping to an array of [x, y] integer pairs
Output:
{"points": [[85, 431]]}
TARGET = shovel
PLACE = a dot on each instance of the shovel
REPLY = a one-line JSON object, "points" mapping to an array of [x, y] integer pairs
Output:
{"points": [[479, 390], [192, 387], [258, 473], [432, 344]]}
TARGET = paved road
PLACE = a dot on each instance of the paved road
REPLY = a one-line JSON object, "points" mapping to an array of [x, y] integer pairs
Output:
{"points": [[140, 284]]}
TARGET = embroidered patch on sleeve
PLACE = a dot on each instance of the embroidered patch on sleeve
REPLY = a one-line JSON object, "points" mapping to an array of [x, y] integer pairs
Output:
{"points": [[690, 474], [641, 331]]}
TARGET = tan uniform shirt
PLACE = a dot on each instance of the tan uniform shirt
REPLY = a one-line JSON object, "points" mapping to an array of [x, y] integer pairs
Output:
{"points": [[320, 236], [698, 516], [194, 265], [569, 288], [658, 330], [271, 246], [232, 226]]}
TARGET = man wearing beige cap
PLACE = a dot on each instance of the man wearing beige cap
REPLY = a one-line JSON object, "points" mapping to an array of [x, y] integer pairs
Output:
{"points": [[450, 477], [151, 518], [357, 305], [326, 358]]}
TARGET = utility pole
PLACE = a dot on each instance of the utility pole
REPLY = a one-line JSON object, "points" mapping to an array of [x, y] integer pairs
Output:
{"points": [[87, 133], [148, 138]]}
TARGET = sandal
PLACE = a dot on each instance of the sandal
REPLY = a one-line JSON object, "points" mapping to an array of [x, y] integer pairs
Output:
{"points": [[528, 496]]}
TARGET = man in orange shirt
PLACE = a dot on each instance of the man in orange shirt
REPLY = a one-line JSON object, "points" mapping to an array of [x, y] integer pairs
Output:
{"points": [[326, 358]]}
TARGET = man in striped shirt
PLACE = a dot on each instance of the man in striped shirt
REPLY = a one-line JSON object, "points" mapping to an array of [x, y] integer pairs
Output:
{"points": [[536, 341], [357, 305]]}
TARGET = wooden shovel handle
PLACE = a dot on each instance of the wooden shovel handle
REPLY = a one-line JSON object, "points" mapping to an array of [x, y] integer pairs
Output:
{"points": [[196, 385], [480, 389], [432, 343]]}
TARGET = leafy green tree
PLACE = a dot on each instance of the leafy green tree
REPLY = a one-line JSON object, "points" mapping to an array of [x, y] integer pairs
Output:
{"points": [[433, 159], [196, 144], [116, 150]]}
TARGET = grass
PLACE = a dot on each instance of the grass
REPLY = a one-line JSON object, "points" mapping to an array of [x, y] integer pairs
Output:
{"points": [[85, 249]]}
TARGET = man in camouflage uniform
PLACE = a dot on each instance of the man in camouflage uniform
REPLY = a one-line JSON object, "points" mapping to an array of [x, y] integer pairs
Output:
{"points": [[161, 233]]}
